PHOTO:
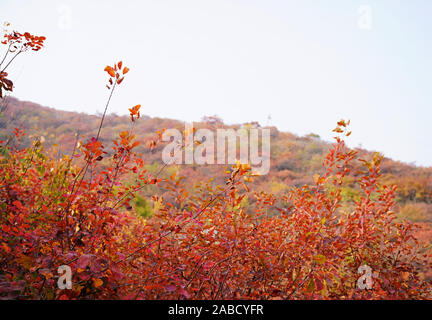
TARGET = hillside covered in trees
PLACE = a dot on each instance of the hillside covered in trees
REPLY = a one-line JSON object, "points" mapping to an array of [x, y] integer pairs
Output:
{"points": [[294, 159]]}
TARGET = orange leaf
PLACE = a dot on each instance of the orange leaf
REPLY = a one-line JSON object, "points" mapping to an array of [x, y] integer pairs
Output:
{"points": [[110, 71], [97, 282]]}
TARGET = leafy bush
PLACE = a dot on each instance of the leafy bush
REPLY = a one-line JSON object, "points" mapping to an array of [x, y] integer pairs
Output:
{"points": [[77, 210]]}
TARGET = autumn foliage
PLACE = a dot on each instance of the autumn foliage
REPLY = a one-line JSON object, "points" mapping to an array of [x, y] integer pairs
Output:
{"points": [[72, 210], [16, 43]]}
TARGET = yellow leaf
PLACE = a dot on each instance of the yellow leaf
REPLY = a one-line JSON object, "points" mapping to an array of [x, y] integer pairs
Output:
{"points": [[124, 134], [319, 258], [25, 261]]}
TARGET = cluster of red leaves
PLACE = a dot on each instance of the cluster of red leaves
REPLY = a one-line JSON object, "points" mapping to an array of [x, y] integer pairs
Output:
{"points": [[17, 43], [26, 39], [200, 246], [134, 112], [51, 214], [114, 73], [205, 245]]}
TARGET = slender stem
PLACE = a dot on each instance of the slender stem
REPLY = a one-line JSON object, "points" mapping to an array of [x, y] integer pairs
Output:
{"points": [[106, 107], [13, 58], [142, 187], [209, 203], [6, 54], [84, 170]]}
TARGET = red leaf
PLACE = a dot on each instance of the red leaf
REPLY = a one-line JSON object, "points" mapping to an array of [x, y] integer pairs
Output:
{"points": [[170, 288], [83, 261]]}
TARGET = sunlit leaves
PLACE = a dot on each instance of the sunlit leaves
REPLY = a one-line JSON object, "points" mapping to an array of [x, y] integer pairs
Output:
{"points": [[134, 112], [116, 74], [17, 43], [110, 71]]}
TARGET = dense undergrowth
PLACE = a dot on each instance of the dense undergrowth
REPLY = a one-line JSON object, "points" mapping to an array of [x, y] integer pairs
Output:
{"points": [[70, 210]]}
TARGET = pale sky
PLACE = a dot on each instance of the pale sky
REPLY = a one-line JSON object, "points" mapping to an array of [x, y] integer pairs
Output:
{"points": [[307, 63]]}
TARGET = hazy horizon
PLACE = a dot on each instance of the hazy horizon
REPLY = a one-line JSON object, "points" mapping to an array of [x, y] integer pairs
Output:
{"points": [[304, 63]]}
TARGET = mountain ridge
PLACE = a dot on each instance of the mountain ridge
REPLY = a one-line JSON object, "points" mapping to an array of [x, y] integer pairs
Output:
{"points": [[294, 159]]}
